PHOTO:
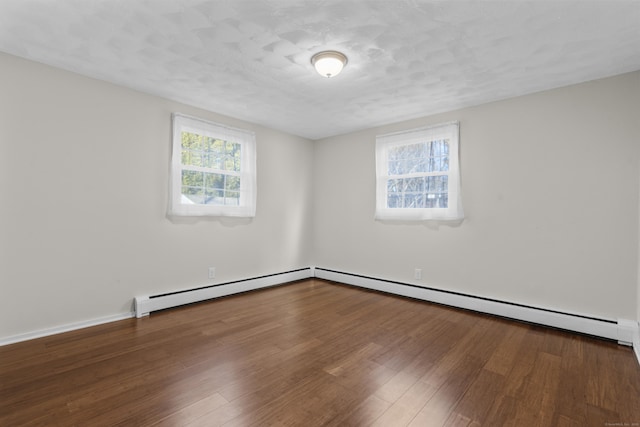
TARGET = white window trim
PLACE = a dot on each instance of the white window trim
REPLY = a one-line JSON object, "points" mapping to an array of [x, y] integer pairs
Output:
{"points": [[247, 204], [384, 142]]}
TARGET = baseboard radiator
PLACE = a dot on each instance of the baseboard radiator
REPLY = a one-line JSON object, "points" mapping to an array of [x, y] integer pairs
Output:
{"points": [[147, 304], [625, 332], [621, 330]]}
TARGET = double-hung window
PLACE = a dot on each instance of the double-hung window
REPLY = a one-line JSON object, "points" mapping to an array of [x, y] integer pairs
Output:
{"points": [[213, 169], [418, 174]]}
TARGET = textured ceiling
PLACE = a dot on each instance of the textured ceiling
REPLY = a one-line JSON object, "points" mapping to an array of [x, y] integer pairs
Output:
{"points": [[250, 59]]}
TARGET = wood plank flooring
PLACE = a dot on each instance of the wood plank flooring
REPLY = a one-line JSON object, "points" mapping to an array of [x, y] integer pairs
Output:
{"points": [[316, 353]]}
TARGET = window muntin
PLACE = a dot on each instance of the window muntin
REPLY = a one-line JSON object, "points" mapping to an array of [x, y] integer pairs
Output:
{"points": [[424, 170], [213, 169], [418, 174], [210, 170]]}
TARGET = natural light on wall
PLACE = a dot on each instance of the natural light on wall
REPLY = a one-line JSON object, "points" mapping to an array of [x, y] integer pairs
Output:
{"points": [[418, 175]]}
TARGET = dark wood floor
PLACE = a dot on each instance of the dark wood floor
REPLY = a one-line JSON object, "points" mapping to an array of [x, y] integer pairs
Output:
{"points": [[317, 353]]}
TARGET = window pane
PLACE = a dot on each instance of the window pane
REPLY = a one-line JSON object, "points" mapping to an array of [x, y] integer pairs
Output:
{"points": [[437, 184], [208, 160], [437, 201], [393, 167], [217, 146], [444, 180], [415, 178], [430, 184], [431, 156], [438, 156], [418, 193], [394, 185], [186, 157], [413, 165], [208, 143], [192, 158], [232, 156], [214, 197], [191, 141], [232, 198], [413, 200], [192, 178], [214, 154], [394, 200], [214, 181], [193, 194], [407, 159], [232, 183], [237, 159], [413, 184], [437, 188], [445, 164], [198, 150], [192, 149], [196, 158]]}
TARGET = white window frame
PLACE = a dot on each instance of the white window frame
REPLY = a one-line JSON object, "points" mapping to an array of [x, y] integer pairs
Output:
{"points": [[453, 211], [180, 206]]}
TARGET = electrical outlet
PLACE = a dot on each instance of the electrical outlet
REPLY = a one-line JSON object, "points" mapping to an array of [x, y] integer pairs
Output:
{"points": [[417, 274], [212, 272]]}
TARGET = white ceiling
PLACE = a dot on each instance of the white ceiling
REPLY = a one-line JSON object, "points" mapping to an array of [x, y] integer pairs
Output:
{"points": [[250, 59]]}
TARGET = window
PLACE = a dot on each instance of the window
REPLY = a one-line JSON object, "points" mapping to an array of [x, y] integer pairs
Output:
{"points": [[417, 174], [213, 169]]}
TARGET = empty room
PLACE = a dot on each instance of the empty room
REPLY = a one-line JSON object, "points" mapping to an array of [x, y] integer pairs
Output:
{"points": [[319, 213]]}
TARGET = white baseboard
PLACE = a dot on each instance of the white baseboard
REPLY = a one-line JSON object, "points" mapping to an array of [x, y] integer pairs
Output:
{"points": [[63, 328], [144, 305], [620, 330], [147, 304], [626, 332], [627, 329], [636, 341]]}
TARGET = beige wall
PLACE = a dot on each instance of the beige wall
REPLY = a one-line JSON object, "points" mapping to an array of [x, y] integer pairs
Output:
{"points": [[550, 192], [83, 193], [550, 189]]}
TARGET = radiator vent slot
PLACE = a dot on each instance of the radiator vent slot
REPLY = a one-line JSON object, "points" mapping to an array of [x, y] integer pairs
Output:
{"points": [[147, 304]]}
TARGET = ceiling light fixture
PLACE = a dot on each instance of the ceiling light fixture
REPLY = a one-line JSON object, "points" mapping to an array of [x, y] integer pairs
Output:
{"points": [[329, 63]]}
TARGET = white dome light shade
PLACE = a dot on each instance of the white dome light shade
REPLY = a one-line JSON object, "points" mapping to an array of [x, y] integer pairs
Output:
{"points": [[329, 63]]}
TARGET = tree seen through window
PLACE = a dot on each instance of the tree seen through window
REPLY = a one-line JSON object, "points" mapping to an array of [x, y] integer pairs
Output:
{"points": [[211, 170]]}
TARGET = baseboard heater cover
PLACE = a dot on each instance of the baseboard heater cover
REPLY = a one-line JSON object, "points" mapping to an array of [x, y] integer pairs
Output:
{"points": [[620, 330], [147, 304]]}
